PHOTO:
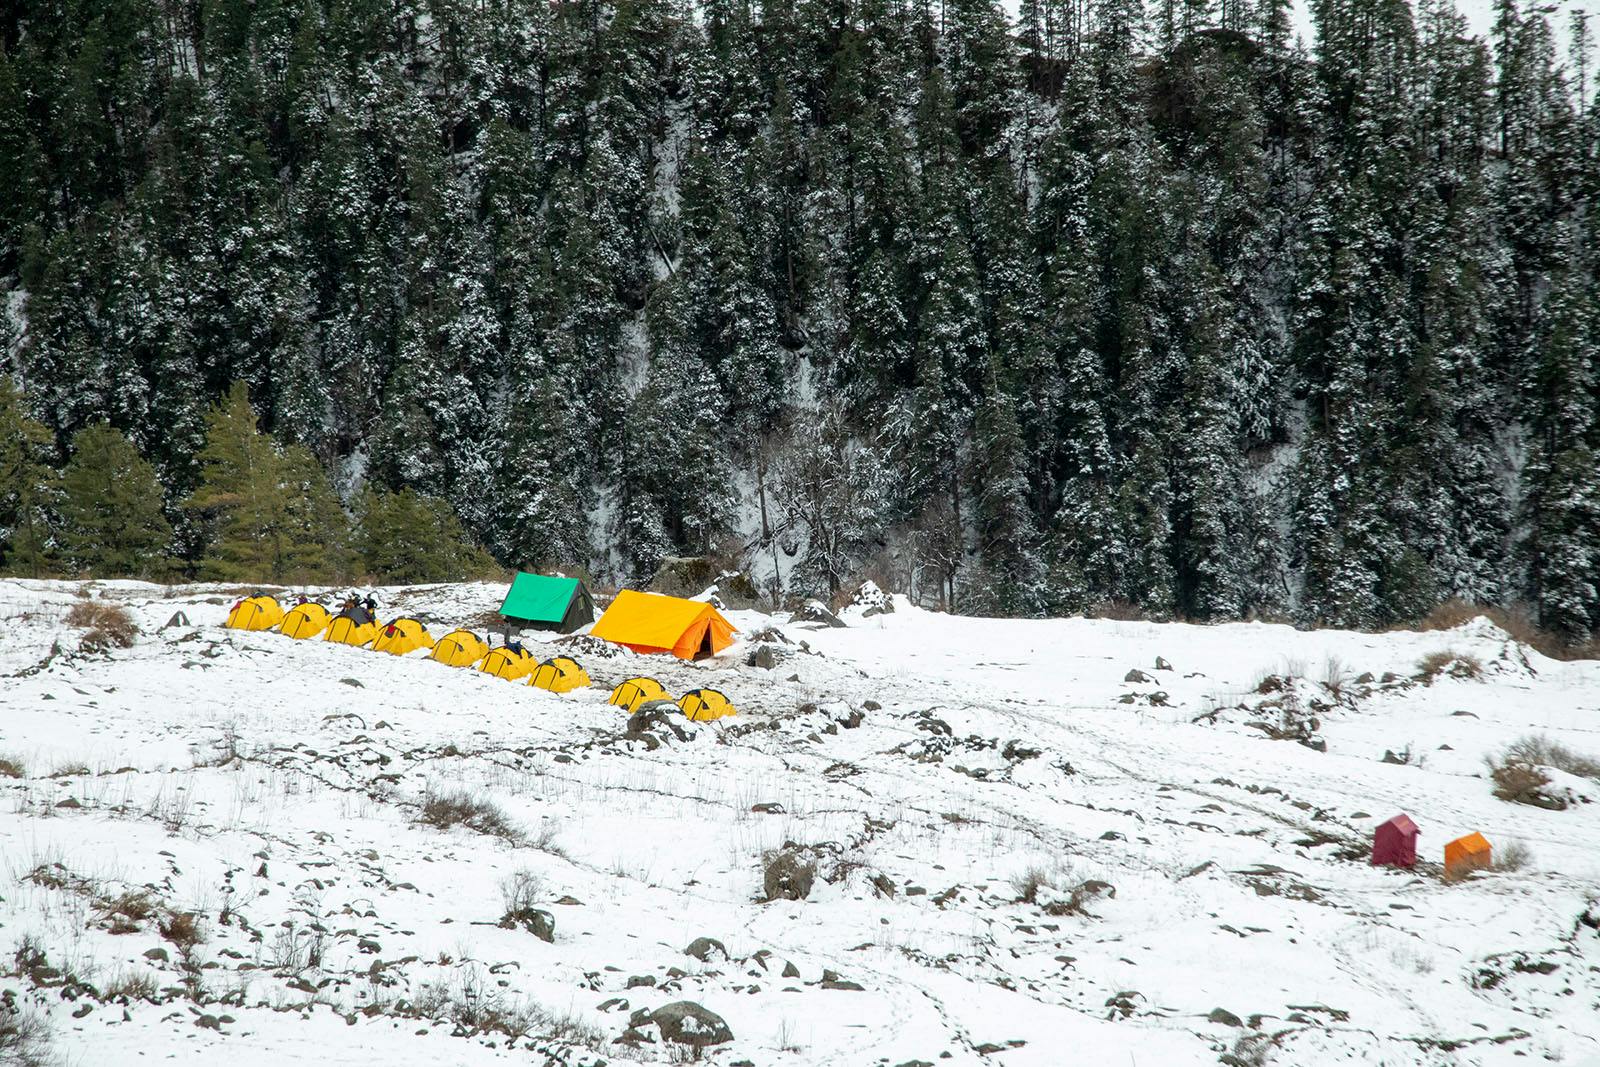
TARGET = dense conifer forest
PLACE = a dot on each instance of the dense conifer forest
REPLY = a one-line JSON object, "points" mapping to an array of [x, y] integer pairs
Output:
{"points": [[1105, 304]]}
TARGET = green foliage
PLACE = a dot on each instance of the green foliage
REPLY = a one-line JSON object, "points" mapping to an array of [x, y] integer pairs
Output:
{"points": [[406, 537], [269, 514], [112, 524], [27, 488]]}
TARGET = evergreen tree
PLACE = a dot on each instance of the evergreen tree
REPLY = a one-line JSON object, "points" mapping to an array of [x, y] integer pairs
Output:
{"points": [[27, 487], [111, 520], [406, 537]]}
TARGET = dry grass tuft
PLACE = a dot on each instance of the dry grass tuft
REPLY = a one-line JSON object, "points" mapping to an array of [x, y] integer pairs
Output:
{"points": [[1462, 665], [1027, 884], [1512, 856], [182, 928], [108, 625], [460, 808], [130, 985], [12, 767]]}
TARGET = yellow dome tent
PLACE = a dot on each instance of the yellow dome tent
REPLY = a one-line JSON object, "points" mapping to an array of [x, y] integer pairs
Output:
{"points": [[402, 636], [255, 613], [459, 648], [508, 663], [304, 621], [703, 705], [352, 626], [635, 691], [559, 675], [650, 622]]}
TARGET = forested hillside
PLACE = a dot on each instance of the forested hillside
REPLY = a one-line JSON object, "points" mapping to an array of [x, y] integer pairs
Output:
{"points": [[1109, 303]]}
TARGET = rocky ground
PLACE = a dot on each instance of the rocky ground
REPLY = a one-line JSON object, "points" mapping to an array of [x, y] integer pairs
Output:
{"points": [[922, 840]]}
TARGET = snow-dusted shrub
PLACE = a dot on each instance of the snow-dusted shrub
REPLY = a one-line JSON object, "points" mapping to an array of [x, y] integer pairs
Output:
{"points": [[12, 767], [1512, 856], [1541, 751]]}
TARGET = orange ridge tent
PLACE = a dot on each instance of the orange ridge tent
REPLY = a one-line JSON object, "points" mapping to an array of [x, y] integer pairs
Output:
{"points": [[650, 622]]}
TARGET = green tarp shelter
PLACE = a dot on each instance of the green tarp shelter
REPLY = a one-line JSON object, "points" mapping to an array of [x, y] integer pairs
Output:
{"points": [[539, 602]]}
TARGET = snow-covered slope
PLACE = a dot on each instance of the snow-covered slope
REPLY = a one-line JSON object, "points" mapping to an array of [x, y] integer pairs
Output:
{"points": [[1202, 893]]}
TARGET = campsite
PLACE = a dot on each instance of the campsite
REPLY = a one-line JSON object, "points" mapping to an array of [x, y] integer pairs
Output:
{"points": [[917, 838]]}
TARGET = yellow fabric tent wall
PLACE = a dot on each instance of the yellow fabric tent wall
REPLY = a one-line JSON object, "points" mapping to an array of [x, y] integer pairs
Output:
{"points": [[255, 613], [559, 675], [304, 621], [344, 630], [703, 705], [504, 663], [459, 648], [650, 622], [635, 691], [402, 636]]}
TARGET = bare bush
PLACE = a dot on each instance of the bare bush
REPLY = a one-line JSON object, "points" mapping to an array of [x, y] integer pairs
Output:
{"points": [[25, 1039], [1336, 677], [1541, 751], [107, 625], [71, 769], [127, 910], [12, 767], [1461, 665], [459, 808], [1521, 783], [1512, 856], [521, 890]]}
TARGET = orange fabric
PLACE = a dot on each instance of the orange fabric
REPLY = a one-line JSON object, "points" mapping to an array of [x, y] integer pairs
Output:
{"points": [[650, 622], [1467, 853]]}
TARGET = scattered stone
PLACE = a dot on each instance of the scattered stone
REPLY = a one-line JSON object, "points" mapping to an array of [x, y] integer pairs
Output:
{"points": [[1364, 678], [352, 682], [70, 802], [871, 705], [1137, 676], [790, 970], [641, 980], [916, 891], [1112, 835], [831, 980], [872, 600], [536, 921], [766, 656], [686, 1023], [1390, 757], [1162, 664], [157, 954], [1225, 1017], [770, 807], [209, 1022], [707, 950], [815, 611], [789, 874], [883, 885]]}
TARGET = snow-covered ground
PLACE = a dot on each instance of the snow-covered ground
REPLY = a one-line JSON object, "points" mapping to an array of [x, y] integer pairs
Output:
{"points": [[923, 763]]}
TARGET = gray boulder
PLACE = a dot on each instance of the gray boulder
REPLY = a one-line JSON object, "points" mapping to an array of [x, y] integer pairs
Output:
{"points": [[686, 1023], [707, 950]]}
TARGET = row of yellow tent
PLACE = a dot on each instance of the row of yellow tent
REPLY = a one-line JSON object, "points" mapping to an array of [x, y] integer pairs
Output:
{"points": [[701, 705], [458, 648], [461, 648]]}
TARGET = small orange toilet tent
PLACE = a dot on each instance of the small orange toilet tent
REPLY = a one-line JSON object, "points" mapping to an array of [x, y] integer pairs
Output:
{"points": [[402, 636], [559, 675], [650, 622], [509, 662], [304, 621], [1470, 853], [635, 691], [459, 648], [703, 705], [255, 613], [352, 626]]}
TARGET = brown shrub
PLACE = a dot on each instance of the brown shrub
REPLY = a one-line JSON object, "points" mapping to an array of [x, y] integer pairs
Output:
{"points": [[11, 767], [130, 985], [1448, 661], [1540, 750], [1512, 856], [108, 625], [182, 928], [458, 808]]}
